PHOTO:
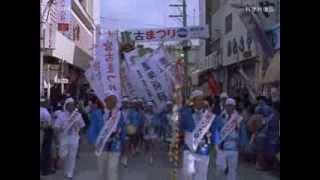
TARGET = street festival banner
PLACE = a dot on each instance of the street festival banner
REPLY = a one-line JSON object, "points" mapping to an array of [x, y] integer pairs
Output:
{"points": [[107, 53], [152, 71], [169, 34], [132, 75], [104, 72]]}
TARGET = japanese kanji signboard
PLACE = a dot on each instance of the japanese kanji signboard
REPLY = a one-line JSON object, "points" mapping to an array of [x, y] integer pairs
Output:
{"points": [[169, 34]]}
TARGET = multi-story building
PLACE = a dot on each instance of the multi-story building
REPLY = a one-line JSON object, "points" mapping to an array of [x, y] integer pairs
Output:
{"points": [[231, 46], [68, 32]]}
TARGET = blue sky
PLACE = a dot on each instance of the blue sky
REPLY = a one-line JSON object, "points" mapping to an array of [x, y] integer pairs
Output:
{"points": [[133, 14]]}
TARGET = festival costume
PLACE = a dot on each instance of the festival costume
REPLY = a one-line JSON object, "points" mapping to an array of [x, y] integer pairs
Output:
{"points": [[227, 137], [69, 138], [150, 126], [108, 159], [196, 158], [46, 137]]}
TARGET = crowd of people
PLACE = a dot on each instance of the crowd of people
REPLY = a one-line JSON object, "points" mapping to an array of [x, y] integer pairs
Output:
{"points": [[239, 129]]}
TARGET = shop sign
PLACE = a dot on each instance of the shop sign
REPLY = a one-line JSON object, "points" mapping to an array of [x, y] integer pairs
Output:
{"points": [[239, 48], [61, 81]]}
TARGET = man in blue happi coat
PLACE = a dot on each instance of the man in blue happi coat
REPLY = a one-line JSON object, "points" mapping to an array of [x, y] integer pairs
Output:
{"points": [[108, 161], [195, 163], [164, 129], [227, 143]]}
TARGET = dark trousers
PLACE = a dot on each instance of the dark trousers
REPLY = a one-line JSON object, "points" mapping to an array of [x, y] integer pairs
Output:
{"points": [[45, 159]]}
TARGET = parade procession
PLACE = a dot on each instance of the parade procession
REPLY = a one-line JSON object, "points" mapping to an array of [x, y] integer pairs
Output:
{"points": [[135, 102]]}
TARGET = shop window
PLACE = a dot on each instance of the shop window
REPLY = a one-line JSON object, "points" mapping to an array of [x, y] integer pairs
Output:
{"points": [[228, 23]]}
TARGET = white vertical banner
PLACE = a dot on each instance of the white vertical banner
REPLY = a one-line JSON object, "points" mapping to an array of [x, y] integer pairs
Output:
{"points": [[134, 76], [128, 84], [107, 53], [152, 80], [159, 62]]}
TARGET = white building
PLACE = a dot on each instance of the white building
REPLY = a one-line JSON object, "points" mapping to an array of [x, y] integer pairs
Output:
{"points": [[67, 47]]}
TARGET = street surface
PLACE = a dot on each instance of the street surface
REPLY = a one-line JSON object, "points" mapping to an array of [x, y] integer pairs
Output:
{"points": [[139, 169]]}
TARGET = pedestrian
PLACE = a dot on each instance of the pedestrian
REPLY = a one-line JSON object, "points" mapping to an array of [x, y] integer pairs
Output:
{"points": [[55, 143], [150, 135], [110, 145], [135, 124], [223, 98], [196, 158], [260, 121], [96, 119], [227, 140], [127, 148], [245, 148], [275, 96], [46, 137], [140, 129], [69, 123], [217, 106], [164, 126], [273, 137]]}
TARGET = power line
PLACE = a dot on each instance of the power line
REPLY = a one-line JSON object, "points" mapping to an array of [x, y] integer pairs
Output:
{"points": [[132, 21]]}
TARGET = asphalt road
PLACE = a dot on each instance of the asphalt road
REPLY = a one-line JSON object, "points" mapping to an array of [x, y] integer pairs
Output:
{"points": [[139, 169]]}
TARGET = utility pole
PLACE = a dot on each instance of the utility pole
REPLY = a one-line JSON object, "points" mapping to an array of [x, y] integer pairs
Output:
{"points": [[184, 45]]}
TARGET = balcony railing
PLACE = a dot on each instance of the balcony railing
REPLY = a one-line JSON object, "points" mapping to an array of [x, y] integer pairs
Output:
{"points": [[83, 15]]}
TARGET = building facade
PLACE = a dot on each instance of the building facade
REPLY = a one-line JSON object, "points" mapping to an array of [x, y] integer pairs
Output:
{"points": [[231, 47], [68, 34]]}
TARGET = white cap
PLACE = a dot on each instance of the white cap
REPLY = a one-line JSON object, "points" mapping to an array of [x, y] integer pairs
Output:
{"points": [[169, 102], [125, 99], [230, 101], [223, 95], [196, 93], [150, 103], [134, 100], [67, 101]]}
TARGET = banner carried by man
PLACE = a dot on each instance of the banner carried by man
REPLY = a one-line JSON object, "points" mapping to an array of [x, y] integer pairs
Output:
{"points": [[104, 73]]}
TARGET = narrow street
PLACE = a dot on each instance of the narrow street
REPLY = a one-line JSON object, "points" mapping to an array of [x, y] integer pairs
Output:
{"points": [[139, 169]]}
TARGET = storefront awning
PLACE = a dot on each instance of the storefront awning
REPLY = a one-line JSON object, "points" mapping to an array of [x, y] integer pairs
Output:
{"points": [[273, 71]]}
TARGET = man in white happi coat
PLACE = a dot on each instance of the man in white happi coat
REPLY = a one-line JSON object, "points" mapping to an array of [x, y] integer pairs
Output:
{"points": [[45, 120], [69, 123]]}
